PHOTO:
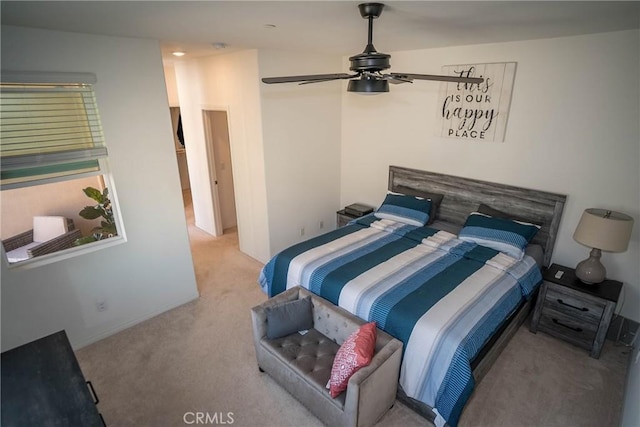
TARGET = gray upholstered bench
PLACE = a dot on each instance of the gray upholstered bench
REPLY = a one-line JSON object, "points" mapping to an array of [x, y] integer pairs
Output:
{"points": [[301, 364]]}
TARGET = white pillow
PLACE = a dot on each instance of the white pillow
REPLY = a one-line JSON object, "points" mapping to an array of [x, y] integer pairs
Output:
{"points": [[47, 227]]}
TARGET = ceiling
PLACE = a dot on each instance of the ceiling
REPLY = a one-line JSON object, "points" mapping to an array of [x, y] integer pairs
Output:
{"points": [[333, 27]]}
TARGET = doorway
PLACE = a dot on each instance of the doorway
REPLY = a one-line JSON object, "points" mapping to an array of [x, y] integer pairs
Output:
{"points": [[181, 154], [216, 126]]}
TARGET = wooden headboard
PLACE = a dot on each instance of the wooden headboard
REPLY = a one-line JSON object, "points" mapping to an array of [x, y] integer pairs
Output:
{"points": [[463, 196]]}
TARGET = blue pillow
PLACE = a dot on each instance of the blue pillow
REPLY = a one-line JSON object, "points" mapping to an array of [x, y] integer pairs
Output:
{"points": [[501, 234], [289, 317], [406, 209]]}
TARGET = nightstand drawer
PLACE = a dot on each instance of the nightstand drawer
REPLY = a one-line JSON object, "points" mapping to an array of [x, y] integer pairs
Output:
{"points": [[582, 308], [568, 328]]}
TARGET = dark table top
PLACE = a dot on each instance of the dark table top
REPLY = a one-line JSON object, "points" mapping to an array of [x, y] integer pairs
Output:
{"points": [[42, 385], [608, 289]]}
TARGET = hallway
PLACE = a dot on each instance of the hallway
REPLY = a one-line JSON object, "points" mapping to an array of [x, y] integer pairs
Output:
{"points": [[210, 252]]}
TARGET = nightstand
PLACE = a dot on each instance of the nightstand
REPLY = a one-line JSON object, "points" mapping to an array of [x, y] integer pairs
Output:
{"points": [[342, 218], [573, 311], [351, 212]]}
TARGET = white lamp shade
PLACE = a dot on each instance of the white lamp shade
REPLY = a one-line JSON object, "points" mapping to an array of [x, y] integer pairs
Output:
{"points": [[604, 230]]}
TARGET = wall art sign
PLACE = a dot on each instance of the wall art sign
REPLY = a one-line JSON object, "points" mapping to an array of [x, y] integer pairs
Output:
{"points": [[476, 111]]}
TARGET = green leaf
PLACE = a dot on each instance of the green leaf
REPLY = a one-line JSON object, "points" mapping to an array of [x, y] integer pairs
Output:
{"points": [[94, 193], [90, 212]]}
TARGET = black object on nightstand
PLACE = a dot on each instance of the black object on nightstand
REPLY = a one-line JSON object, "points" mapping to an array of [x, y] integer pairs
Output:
{"points": [[351, 212], [573, 311]]}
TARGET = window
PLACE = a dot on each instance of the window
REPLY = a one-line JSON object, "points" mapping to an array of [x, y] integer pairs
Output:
{"points": [[52, 156]]}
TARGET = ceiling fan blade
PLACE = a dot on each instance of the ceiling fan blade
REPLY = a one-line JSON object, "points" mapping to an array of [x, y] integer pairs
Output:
{"points": [[409, 77], [310, 82], [308, 79], [396, 79]]}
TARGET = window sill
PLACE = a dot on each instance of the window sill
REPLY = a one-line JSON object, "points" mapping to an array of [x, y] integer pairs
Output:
{"points": [[65, 254]]}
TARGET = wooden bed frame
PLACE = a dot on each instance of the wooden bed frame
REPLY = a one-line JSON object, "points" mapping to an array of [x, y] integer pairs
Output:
{"points": [[461, 196]]}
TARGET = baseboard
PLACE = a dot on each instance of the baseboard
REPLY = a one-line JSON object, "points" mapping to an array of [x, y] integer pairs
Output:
{"points": [[126, 325], [622, 329]]}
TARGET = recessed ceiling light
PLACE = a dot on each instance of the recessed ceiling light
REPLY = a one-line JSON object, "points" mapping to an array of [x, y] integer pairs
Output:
{"points": [[178, 53]]}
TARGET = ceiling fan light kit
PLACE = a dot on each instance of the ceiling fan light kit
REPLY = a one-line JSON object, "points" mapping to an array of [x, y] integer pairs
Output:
{"points": [[368, 66], [368, 86]]}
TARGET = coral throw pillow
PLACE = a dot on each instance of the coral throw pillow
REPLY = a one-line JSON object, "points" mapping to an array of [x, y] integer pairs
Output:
{"points": [[355, 353]]}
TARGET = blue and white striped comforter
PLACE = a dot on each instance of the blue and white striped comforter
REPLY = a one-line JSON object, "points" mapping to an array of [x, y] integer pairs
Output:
{"points": [[441, 296]]}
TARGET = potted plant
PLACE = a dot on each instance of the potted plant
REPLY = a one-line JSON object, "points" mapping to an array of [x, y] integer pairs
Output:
{"points": [[102, 210]]}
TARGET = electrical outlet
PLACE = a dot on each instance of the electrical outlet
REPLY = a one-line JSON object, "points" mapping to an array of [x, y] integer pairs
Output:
{"points": [[101, 305], [302, 231], [627, 331], [321, 225]]}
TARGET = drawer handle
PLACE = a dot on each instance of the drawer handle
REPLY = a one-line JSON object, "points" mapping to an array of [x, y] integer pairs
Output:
{"points": [[93, 393], [573, 306], [557, 322]]}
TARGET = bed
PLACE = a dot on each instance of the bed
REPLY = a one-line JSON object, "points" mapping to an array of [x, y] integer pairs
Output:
{"points": [[452, 297]]}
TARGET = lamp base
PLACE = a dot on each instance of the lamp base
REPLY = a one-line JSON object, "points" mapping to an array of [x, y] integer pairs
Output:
{"points": [[591, 271]]}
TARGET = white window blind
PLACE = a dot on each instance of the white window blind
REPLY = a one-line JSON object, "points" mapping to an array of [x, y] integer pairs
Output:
{"points": [[48, 129]]}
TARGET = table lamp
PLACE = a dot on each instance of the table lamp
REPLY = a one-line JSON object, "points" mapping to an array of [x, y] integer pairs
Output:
{"points": [[601, 230]]}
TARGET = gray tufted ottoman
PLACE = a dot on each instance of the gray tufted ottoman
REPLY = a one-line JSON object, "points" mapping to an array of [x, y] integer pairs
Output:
{"points": [[301, 364]]}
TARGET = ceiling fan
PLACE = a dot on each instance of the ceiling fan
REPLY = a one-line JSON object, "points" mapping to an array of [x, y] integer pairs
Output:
{"points": [[368, 66]]}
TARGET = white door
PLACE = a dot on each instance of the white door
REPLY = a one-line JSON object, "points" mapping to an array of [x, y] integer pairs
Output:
{"points": [[219, 149]]}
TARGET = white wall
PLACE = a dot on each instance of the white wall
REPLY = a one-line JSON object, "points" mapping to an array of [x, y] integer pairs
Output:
{"points": [[572, 129], [227, 82], [285, 144], [301, 131], [153, 270], [188, 83], [172, 88], [630, 409]]}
